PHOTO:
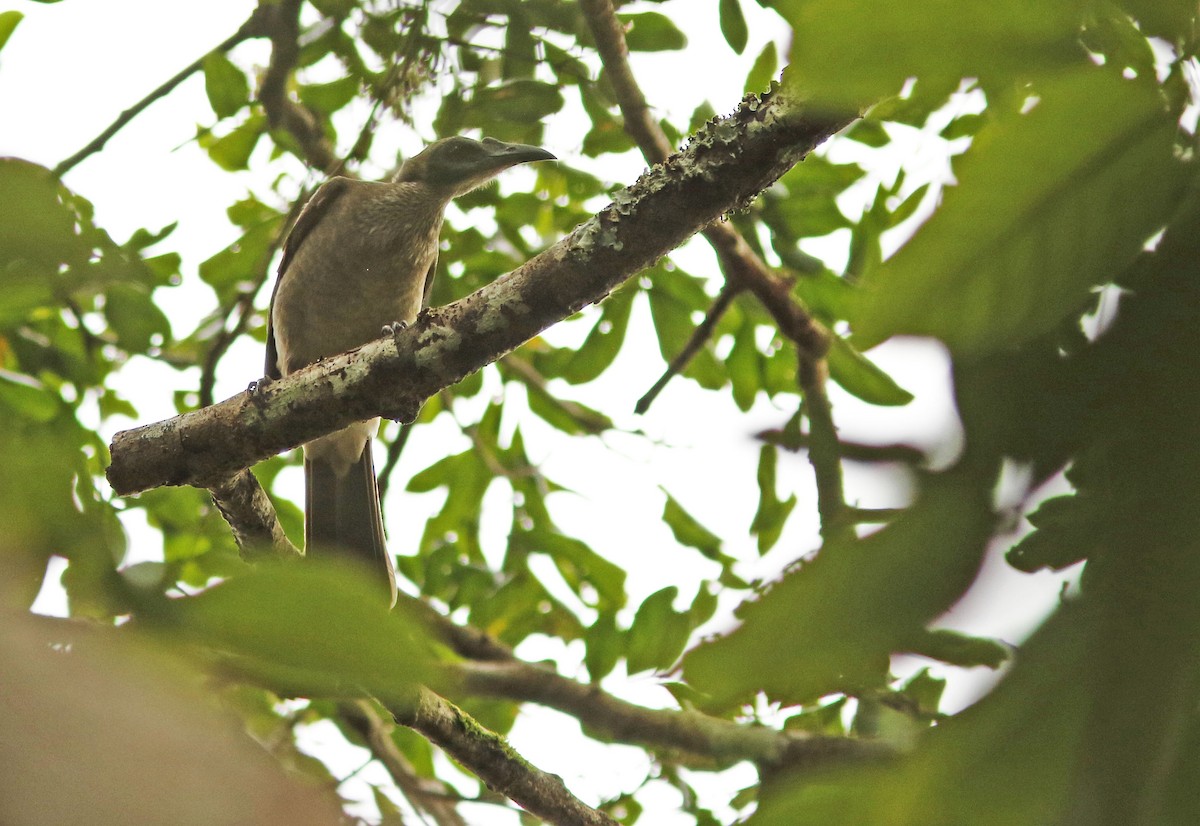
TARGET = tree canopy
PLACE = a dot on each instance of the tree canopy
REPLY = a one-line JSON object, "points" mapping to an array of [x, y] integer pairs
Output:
{"points": [[1057, 271]]}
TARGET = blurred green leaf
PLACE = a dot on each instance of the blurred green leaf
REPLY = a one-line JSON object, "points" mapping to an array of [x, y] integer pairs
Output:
{"points": [[733, 25], [658, 633], [959, 649], [765, 67], [134, 317], [26, 397], [519, 101], [40, 223], [579, 565], [860, 377], [232, 151], [690, 532], [1011, 252], [998, 42], [8, 23], [772, 511], [598, 351], [847, 610], [316, 629], [605, 645], [329, 97], [226, 85], [651, 32], [743, 363]]}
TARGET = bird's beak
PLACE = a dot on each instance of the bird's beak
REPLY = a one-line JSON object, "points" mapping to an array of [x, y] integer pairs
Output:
{"points": [[511, 154]]}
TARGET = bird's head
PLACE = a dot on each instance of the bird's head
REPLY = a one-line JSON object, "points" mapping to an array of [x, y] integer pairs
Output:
{"points": [[460, 164]]}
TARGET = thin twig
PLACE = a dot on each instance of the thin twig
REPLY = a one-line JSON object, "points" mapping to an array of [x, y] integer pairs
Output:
{"points": [[700, 335], [255, 26], [394, 451]]}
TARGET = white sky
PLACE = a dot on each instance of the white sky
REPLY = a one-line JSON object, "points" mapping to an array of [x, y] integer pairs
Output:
{"points": [[70, 68]]}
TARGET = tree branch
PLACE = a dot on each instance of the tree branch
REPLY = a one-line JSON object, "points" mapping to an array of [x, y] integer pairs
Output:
{"points": [[427, 794], [255, 26], [724, 167], [283, 113], [689, 737], [490, 758], [251, 516], [741, 266], [824, 451]]}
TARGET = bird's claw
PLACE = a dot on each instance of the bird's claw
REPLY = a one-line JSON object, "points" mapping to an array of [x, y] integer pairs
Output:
{"points": [[259, 384], [395, 328]]}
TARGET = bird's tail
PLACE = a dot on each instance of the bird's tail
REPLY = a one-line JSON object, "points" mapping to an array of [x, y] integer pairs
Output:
{"points": [[341, 516]]}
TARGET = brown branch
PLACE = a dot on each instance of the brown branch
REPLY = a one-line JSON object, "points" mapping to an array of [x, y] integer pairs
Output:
{"points": [[724, 167], [494, 762], [852, 451], [742, 268], [252, 518], [689, 737], [283, 113], [702, 333], [255, 26], [428, 795], [824, 451]]}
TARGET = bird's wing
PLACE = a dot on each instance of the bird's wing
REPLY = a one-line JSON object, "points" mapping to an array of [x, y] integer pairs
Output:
{"points": [[316, 209], [425, 293]]}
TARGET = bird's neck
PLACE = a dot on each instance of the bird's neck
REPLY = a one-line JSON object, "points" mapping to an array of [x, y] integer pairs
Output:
{"points": [[406, 208]]}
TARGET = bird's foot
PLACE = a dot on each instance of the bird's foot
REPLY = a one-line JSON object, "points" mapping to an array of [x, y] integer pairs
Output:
{"points": [[395, 329], [258, 385]]}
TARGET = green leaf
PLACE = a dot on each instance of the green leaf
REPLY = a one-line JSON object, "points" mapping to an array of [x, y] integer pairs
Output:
{"points": [[658, 633], [226, 85], [937, 41], [27, 397], [605, 644], [602, 344], [772, 512], [578, 564], [765, 67], [744, 363], [8, 23], [860, 377], [329, 97], [651, 32], [959, 649], [40, 224], [733, 25], [845, 612], [565, 415], [519, 101], [1168, 19], [134, 317], [313, 629], [908, 207], [964, 126], [1049, 204], [689, 532], [232, 151]]}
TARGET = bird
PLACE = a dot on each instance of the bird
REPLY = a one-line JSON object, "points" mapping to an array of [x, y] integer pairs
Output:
{"points": [[360, 261]]}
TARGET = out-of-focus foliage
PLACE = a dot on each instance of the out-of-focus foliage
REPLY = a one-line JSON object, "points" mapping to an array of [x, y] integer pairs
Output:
{"points": [[1075, 173]]}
